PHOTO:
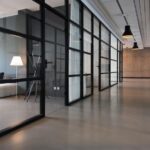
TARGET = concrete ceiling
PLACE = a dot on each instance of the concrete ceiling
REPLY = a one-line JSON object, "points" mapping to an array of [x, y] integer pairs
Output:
{"points": [[137, 13]]}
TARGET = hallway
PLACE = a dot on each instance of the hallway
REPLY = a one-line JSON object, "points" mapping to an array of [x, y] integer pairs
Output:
{"points": [[114, 119]]}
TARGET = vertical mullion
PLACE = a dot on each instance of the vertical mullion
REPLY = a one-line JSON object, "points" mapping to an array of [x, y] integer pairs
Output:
{"points": [[42, 96], [82, 52], [109, 58], [99, 67], [67, 28], [117, 60], [92, 54]]}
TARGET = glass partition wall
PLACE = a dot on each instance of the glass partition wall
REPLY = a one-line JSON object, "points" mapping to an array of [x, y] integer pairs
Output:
{"points": [[105, 58], [21, 60], [110, 59], [80, 52], [51, 50]]}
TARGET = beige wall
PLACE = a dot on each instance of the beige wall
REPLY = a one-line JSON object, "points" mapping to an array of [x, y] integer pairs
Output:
{"points": [[136, 63]]}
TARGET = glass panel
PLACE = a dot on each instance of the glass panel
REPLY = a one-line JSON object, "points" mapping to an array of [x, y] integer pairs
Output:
{"points": [[60, 37], [113, 41], [96, 62], [11, 46], [119, 45], [75, 11], [113, 78], [87, 64], [104, 65], [87, 20], [96, 27], [34, 58], [118, 65], [55, 56], [96, 57], [104, 50], [113, 66], [74, 62], [74, 37], [104, 81], [49, 29], [113, 54], [17, 17], [74, 88], [104, 34], [35, 29], [87, 85], [87, 42], [16, 109], [58, 5]]}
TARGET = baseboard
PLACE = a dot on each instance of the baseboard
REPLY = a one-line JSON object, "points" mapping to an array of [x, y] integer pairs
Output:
{"points": [[136, 77]]}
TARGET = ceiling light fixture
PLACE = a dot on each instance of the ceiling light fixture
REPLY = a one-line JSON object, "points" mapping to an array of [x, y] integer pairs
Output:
{"points": [[127, 33], [135, 46]]}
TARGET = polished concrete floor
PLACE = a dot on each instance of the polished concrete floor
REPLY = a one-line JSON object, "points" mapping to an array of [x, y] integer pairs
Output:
{"points": [[14, 110], [115, 119]]}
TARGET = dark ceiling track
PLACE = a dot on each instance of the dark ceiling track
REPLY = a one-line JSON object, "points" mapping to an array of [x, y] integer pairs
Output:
{"points": [[122, 12], [119, 5]]}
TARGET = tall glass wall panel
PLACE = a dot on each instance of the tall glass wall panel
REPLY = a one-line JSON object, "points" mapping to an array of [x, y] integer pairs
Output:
{"points": [[96, 27], [20, 65], [104, 34], [87, 52], [105, 58], [74, 36], [75, 11], [114, 41], [74, 62], [87, 42], [113, 66], [87, 20], [87, 64], [96, 63], [114, 60], [87, 85], [114, 54], [75, 52], [113, 78], [104, 81], [104, 50], [55, 56], [104, 65], [74, 88]]}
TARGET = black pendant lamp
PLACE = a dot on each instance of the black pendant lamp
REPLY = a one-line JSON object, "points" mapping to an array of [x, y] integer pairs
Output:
{"points": [[127, 34], [135, 46]]}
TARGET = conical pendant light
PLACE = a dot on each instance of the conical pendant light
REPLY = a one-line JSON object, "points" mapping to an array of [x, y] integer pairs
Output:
{"points": [[127, 34], [135, 46]]}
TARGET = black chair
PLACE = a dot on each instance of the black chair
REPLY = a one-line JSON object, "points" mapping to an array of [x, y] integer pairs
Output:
{"points": [[1, 75]]}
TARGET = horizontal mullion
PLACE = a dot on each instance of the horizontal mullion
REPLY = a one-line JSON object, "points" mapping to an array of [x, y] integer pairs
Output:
{"points": [[113, 60], [105, 73], [96, 37], [85, 30], [114, 48], [47, 41], [105, 42], [87, 74], [74, 23], [87, 53], [8, 31], [74, 75], [74, 49], [105, 57], [18, 80]]}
